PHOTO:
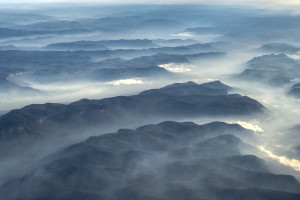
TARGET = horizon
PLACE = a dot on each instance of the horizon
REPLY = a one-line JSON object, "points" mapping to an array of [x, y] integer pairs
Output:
{"points": [[257, 2]]}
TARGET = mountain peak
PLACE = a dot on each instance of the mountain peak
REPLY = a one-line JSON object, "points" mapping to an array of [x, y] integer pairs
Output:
{"points": [[214, 88], [181, 84]]}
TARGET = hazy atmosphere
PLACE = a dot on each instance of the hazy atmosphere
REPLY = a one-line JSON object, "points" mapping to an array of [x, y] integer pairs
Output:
{"points": [[153, 1], [149, 100]]}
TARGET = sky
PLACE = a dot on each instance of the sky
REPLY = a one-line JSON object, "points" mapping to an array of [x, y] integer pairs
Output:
{"points": [[286, 2]]}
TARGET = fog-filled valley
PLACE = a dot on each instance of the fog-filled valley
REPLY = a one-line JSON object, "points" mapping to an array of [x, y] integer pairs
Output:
{"points": [[149, 101]]}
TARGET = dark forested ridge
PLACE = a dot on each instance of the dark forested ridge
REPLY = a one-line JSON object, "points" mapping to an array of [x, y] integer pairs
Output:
{"points": [[170, 160]]}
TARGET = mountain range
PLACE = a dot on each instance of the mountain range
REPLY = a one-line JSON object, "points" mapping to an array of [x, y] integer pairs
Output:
{"points": [[169, 160], [43, 122]]}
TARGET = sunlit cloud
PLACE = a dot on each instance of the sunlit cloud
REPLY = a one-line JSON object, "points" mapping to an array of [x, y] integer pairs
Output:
{"points": [[294, 56], [183, 35], [177, 68], [126, 82], [293, 163], [250, 126]]}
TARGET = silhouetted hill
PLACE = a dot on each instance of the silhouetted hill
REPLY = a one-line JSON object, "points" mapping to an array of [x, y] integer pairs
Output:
{"points": [[181, 89], [170, 160], [272, 69], [279, 48], [295, 90], [107, 74], [41, 122], [102, 45], [113, 24], [204, 30], [62, 66], [7, 86], [8, 47]]}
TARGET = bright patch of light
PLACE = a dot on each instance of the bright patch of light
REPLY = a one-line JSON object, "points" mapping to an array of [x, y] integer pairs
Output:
{"points": [[211, 79], [177, 68], [249, 126], [293, 163], [58, 87], [184, 35], [294, 56], [126, 82]]}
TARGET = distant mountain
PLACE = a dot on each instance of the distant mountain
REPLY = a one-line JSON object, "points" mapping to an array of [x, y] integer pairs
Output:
{"points": [[53, 25], [8, 32], [182, 89], [71, 59], [160, 58], [124, 23], [10, 19], [175, 42], [130, 48], [89, 25], [294, 150], [42, 122], [273, 62], [160, 22], [107, 24], [295, 90], [154, 60], [61, 66], [101, 45], [204, 30], [19, 32], [279, 48], [170, 160], [184, 100], [33, 59], [107, 74], [271, 69], [75, 46], [8, 47], [7, 86]]}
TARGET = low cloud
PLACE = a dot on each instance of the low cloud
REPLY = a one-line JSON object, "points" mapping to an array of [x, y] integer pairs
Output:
{"points": [[177, 68], [132, 81], [293, 163], [249, 126]]}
